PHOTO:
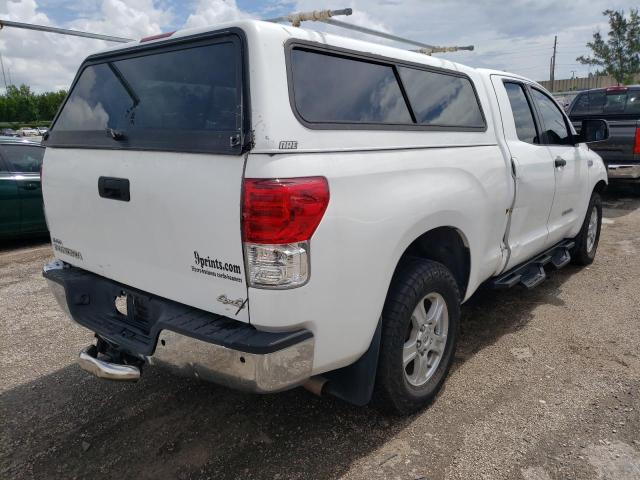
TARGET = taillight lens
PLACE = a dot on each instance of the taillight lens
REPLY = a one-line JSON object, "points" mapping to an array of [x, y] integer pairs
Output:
{"points": [[279, 217], [285, 210], [636, 145]]}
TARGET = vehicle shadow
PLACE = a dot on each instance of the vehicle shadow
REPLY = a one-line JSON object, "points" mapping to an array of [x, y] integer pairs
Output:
{"points": [[27, 242], [69, 424]]}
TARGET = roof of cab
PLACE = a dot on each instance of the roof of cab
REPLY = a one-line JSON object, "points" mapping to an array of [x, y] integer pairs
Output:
{"points": [[282, 32]]}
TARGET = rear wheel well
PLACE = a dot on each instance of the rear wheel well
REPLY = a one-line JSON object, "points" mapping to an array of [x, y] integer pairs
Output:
{"points": [[445, 245], [600, 186]]}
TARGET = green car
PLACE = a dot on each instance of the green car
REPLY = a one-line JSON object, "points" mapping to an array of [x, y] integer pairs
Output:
{"points": [[21, 206]]}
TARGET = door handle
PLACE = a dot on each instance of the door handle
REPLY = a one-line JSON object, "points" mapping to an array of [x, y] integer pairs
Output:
{"points": [[560, 162], [114, 188], [29, 186]]}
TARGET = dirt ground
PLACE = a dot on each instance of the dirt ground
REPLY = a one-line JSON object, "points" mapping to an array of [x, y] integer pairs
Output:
{"points": [[546, 385]]}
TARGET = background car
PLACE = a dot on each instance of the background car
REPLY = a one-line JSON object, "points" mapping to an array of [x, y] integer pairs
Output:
{"points": [[27, 132], [8, 132], [21, 206], [620, 106], [42, 130]]}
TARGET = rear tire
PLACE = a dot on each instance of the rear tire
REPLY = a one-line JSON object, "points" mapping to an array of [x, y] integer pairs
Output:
{"points": [[420, 323], [587, 240]]}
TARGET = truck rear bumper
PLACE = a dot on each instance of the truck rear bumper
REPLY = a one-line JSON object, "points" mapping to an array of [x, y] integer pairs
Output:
{"points": [[623, 171], [182, 339]]}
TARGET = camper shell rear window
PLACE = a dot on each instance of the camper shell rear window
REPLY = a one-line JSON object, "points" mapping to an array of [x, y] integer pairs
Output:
{"points": [[333, 88], [187, 95]]}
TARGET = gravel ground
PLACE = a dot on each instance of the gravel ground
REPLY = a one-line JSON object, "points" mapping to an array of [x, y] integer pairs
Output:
{"points": [[546, 385]]}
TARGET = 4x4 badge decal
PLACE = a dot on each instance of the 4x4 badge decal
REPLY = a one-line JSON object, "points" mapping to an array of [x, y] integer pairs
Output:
{"points": [[240, 303]]}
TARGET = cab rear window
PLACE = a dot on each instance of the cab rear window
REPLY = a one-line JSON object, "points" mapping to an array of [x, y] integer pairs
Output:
{"points": [[186, 98]]}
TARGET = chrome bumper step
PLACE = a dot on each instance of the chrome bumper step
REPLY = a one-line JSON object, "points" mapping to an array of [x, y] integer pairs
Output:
{"points": [[531, 274], [89, 361]]}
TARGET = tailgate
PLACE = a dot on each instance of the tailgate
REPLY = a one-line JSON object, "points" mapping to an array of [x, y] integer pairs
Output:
{"points": [[618, 148], [142, 175], [178, 236]]}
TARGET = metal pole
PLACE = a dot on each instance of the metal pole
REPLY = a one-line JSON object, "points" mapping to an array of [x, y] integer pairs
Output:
{"points": [[294, 18], [314, 16], [325, 16], [64, 31], [429, 51], [377, 33]]}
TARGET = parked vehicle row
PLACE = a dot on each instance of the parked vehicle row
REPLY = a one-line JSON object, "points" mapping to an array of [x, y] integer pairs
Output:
{"points": [[319, 221], [24, 132], [21, 208]]}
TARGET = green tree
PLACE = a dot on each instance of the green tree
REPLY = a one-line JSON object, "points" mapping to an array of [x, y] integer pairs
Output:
{"points": [[619, 55], [48, 103], [20, 104]]}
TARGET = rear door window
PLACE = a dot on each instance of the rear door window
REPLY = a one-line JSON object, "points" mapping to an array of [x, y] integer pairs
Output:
{"points": [[184, 98], [22, 158]]}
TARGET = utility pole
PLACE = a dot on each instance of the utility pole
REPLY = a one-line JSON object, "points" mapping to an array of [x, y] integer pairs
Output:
{"points": [[3, 75], [552, 75]]}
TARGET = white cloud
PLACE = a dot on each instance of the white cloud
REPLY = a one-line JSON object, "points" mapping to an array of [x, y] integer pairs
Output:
{"points": [[210, 12], [48, 61], [515, 36]]}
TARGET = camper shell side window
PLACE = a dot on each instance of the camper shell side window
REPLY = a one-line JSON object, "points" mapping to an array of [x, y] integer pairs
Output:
{"points": [[332, 88]]}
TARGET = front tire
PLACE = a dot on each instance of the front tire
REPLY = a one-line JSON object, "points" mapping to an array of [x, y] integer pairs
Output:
{"points": [[420, 323], [584, 251]]}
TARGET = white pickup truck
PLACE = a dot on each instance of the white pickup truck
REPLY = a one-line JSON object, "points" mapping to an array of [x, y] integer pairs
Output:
{"points": [[265, 207]]}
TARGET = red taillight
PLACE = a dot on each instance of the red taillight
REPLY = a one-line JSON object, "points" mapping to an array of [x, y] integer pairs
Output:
{"points": [[284, 210], [636, 145], [619, 88]]}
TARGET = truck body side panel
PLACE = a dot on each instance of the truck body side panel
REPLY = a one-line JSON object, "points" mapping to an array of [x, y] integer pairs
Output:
{"points": [[380, 203]]}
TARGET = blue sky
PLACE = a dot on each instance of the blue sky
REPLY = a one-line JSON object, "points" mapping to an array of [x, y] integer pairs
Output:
{"points": [[515, 36], [64, 11]]}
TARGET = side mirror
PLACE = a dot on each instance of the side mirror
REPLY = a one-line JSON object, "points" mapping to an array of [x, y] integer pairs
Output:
{"points": [[593, 130]]}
